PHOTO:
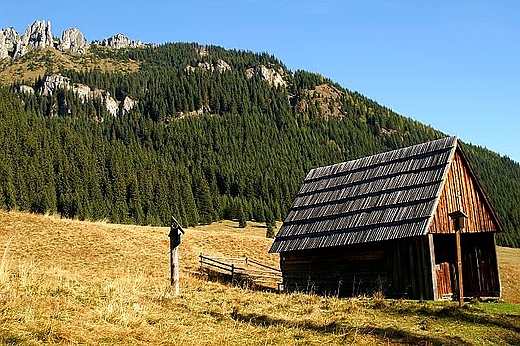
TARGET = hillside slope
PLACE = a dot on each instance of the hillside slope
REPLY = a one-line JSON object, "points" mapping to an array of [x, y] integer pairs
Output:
{"points": [[201, 132], [64, 281]]}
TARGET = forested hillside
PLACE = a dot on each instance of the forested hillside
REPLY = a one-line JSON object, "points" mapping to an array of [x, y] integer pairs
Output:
{"points": [[213, 134]]}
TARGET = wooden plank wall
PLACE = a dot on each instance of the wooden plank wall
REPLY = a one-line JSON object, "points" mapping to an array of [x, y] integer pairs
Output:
{"points": [[399, 268], [480, 273], [410, 268], [344, 271], [479, 265], [461, 193], [445, 286]]}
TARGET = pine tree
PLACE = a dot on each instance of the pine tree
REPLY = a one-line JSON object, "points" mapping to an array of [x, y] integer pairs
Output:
{"points": [[242, 221]]}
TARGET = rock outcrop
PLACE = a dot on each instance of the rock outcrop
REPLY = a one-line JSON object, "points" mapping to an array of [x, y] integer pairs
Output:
{"points": [[270, 75], [127, 104], [53, 83], [74, 41], [120, 41], [220, 66], [9, 42], [25, 89], [36, 36], [39, 36]]}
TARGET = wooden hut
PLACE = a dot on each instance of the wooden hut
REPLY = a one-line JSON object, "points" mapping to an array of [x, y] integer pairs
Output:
{"points": [[400, 222]]}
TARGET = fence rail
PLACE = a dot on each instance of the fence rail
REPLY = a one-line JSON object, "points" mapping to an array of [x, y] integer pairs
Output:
{"points": [[243, 270]]}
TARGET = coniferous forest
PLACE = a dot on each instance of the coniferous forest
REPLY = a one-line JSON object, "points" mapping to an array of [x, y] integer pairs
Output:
{"points": [[202, 144]]}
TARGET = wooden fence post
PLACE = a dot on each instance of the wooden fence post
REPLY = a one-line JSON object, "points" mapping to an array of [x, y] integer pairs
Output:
{"points": [[174, 268], [175, 240]]}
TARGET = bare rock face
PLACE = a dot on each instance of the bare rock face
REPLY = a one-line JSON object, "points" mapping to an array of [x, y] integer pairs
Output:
{"points": [[111, 105], [25, 89], [4, 53], [9, 42], [127, 105], [53, 83], [74, 41], [38, 35], [83, 91], [220, 66], [120, 41], [273, 77]]}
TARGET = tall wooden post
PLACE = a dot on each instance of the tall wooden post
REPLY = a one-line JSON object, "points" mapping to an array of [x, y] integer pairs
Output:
{"points": [[175, 240], [174, 267], [459, 267], [459, 222]]}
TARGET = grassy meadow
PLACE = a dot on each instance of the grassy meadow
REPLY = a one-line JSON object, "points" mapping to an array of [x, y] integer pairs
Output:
{"points": [[37, 63], [73, 282]]}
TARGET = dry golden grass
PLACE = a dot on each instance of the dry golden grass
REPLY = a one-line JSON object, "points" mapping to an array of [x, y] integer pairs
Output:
{"points": [[71, 282], [37, 62], [509, 262]]}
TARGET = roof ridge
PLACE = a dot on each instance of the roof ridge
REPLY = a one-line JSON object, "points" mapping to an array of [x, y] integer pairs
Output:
{"points": [[449, 142]]}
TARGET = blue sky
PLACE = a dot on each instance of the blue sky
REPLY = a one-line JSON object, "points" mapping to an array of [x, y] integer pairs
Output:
{"points": [[453, 65]]}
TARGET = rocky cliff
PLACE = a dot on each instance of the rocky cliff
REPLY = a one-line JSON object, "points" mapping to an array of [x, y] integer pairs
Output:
{"points": [[120, 41], [74, 41], [53, 83], [272, 76], [39, 36]]}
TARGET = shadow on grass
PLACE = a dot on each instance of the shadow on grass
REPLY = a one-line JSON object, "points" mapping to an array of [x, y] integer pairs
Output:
{"points": [[388, 334], [236, 280], [468, 314]]}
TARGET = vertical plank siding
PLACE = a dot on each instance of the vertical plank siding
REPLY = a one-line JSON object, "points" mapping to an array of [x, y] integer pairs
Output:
{"points": [[409, 265], [461, 193], [480, 270], [444, 280], [343, 271], [398, 268]]}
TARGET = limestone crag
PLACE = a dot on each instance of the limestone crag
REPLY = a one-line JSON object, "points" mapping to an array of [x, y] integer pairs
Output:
{"points": [[120, 41], [36, 36], [9, 41], [220, 66], [39, 36], [53, 83], [25, 89], [74, 41], [270, 75], [127, 104], [4, 53], [110, 103]]}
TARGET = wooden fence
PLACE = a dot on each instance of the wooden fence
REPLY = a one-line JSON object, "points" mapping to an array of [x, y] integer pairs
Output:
{"points": [[242, 270]]}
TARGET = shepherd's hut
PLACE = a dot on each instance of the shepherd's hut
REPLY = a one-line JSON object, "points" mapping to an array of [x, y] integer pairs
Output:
{"points": [[413, 222]]}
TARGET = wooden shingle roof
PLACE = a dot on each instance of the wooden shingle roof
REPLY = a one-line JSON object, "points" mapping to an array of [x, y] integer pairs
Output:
{"points": [[386, 196]]}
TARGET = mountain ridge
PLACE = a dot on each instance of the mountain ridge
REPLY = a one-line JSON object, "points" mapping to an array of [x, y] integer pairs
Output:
{"points": [[213, 134], [39, 36]]}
